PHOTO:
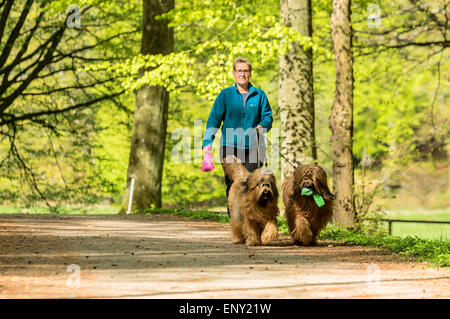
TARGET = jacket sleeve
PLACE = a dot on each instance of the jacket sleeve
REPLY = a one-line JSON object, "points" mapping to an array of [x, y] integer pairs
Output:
{"points": [[215, 119], [266, 113]]}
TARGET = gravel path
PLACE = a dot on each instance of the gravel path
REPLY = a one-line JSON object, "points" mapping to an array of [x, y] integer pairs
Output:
{"points": [[163, 256]]}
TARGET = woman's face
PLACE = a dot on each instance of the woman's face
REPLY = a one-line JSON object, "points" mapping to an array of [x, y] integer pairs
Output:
{"points": [[242, 74]]}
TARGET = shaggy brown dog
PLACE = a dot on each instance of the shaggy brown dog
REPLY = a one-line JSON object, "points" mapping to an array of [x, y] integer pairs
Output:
{"points": [[304, 217], [253, 204]]}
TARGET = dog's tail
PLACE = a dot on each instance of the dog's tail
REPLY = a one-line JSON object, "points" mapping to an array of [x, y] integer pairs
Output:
{"points": [[234, 168]]}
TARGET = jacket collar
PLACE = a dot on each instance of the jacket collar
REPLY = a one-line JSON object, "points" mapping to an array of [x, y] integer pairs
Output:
{"points": [[251, 89]]}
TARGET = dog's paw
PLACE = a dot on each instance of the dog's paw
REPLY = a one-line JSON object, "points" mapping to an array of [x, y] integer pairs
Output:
{"points": [[302, 232], [253, 242], [305, 243], [238, 241], [269, 233], [308, 241], [297, 242]]}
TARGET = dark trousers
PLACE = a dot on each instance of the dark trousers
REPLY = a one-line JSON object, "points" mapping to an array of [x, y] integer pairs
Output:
{"points": [[249, 157]]}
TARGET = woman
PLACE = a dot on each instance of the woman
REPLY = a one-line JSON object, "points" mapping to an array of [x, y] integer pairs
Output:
{"points": [[242, 109]]}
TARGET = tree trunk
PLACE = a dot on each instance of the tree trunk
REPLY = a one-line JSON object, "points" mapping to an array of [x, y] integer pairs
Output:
{"points": [[341, 118], [295, 87], [150, 116]]}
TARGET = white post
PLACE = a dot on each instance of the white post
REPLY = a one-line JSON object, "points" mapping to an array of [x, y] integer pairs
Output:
{"points": [[130, 200]]}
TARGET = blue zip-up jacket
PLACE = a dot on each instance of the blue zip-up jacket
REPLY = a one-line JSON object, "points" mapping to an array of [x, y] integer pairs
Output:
{"points": [[239, 121]]}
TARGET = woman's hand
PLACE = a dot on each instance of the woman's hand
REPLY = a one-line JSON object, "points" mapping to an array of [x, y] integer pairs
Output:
{"points": [[260, 129], [208, 164], [206, 148]]}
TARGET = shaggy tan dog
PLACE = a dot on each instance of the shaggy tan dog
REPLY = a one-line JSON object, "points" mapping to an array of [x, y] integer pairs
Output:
{"points": [[304, 217], [253, 204]]}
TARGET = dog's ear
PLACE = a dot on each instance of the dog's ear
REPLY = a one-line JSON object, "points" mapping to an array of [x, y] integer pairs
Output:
{"points": [[275, 191], [244, 183], [326, 193], [273, 183], [329, 196]]}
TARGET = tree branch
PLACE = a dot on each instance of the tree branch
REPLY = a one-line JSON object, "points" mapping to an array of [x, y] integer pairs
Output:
{"points": [[4, 17], [47, 59], [10, 118], [15, 32]]}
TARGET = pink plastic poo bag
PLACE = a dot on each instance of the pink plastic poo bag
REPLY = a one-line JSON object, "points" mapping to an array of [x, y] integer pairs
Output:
{"points": [[208, 164]]}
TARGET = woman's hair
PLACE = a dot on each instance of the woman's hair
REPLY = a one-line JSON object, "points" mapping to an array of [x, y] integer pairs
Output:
{"points": [[241, 60]]}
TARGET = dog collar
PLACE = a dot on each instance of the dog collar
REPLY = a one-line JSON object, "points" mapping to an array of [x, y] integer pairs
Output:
{"points": [[317, 198], [266, 171]]}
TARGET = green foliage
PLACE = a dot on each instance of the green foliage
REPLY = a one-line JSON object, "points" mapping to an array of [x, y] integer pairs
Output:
{"points": [[196, 214], [61, 5], [185, 185], [387, 121], [68, 157], [426, 231], [64, 210], [437, 252], [110, 150], [205, 63], [368, 214], [180, 179], [282, 225], [394, 94], [397, 90]]}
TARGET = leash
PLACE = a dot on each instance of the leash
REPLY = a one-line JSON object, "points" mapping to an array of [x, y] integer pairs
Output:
{"points": [[257, 150], [257, 133]]}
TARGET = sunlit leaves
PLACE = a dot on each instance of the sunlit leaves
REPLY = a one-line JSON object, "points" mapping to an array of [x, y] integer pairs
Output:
{"points": [[234, 28]]}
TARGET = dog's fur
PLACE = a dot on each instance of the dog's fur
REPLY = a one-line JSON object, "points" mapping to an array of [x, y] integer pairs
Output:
{"points": [[304, 218], [253, 203]]}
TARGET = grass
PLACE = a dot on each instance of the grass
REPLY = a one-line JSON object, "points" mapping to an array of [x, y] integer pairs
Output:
{"points": [[426, 231], [196, 214], [59, 210], [436, 252], [420, 214]]}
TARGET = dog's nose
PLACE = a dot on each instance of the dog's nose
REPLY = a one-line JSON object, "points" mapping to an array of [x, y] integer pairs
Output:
{"points": [[265, 192], [308, 185]]}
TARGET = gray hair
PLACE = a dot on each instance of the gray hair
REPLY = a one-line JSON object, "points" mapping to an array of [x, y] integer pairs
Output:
{"points": [[241, 60]]}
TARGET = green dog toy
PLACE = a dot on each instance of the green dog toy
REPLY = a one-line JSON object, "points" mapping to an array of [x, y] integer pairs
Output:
{"points": [[317, 198]]}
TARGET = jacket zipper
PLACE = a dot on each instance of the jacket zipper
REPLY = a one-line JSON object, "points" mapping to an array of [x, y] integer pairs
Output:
{"points": [[243, 107], [243, 104]]}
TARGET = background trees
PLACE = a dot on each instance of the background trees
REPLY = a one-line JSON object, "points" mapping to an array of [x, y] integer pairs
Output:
{"points": [[71, 124], [341, 118], [150, 115], [48, 100], [295, 89]]}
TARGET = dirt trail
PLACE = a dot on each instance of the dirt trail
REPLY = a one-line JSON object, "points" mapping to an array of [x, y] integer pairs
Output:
{"points": [[165, 256]]}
